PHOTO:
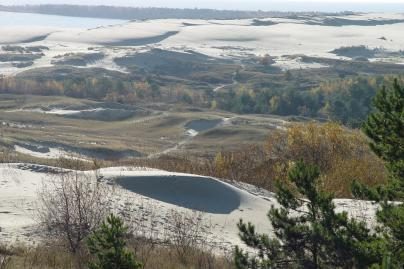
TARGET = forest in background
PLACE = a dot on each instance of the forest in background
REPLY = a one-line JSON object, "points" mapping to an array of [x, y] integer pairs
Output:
{"points": [[134, 13], [346, 100]]}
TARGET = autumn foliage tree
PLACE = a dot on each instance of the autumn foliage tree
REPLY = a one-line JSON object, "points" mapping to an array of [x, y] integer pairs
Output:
{"points": [[342, 155]]}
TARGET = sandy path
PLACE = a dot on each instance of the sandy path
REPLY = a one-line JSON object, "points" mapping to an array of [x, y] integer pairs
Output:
{"points": [[234, 80]]}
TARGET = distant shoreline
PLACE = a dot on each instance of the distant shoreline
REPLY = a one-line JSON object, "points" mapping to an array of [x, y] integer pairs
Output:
{"points": [[149, 13]]}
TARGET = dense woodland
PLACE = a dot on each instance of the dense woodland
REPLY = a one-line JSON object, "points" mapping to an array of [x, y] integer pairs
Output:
{"points": [[343, 100], [133, 13]]}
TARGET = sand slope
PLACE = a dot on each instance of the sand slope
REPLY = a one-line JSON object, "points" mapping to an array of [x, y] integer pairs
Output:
{"points": [[311, 36], [221, 204]]}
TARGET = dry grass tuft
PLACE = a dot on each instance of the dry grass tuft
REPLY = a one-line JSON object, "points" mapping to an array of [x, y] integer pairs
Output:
{"points": [[162, 257]]}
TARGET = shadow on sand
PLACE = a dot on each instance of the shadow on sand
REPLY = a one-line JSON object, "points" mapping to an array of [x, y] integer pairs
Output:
{"points": [[196, 193]]}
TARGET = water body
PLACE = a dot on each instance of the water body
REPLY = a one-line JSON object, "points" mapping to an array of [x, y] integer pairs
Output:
{"points": [[28, 19]]}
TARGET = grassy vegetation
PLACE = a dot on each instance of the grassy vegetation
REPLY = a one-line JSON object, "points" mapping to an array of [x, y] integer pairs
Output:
{"points": [[19, 57], [21, 49], [147, 133], [341, 91], [342, 156], [50, 256], [78, 59], [240, 141]]}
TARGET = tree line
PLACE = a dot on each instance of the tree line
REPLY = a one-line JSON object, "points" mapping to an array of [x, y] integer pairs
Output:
{"points": [[125, 91], [147, 13], [136, 13], [347, 101]]}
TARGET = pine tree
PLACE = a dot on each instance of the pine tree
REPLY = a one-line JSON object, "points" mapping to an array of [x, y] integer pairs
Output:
{"points": [[308, 231], [385, 127], [109, 246]]}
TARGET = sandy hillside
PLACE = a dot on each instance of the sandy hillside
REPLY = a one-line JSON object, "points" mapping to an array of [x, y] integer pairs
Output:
{"points": [[311, 36], [143, 193]]}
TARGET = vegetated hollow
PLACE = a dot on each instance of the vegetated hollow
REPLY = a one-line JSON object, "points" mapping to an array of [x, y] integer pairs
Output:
{"points": [[202, 125], [196, 193]]}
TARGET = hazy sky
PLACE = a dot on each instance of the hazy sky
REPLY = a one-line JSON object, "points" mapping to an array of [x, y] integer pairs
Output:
{"points": [[292, 5]]}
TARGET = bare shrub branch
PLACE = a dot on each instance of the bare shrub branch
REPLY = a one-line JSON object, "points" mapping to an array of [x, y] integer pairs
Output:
{"points": [[72, 205], [188, 232]]}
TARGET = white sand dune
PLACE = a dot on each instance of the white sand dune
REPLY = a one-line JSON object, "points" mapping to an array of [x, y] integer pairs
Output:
{"points": [[50, 153], [280, 38], [288, 38], [57, 111], [117, 33], [18, 190], [221, 203], [217, 38], [21, 34]]}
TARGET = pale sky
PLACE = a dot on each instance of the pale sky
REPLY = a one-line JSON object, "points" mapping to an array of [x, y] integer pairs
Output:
{"points": [[285, 5]]}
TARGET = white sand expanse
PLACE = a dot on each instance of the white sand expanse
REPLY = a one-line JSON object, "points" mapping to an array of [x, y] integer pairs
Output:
{"points": [[19, 34], [51, 153], [116, 33], [222, 204], [222, 38], [56, 111]]}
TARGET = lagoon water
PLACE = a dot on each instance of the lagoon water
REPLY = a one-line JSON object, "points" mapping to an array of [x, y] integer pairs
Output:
{"points": [[28, 19]]}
